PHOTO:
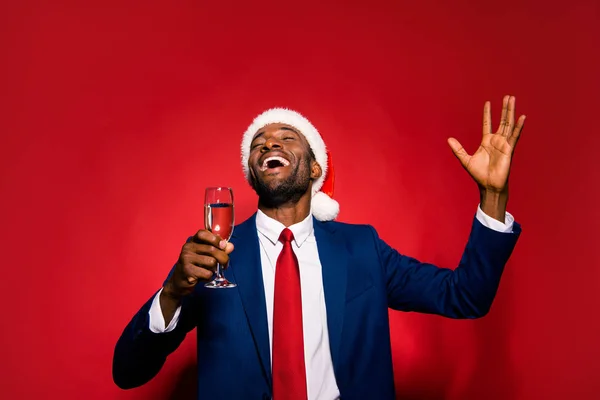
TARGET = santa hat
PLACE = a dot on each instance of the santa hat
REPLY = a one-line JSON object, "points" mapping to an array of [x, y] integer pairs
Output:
{"points": [[323, 207]]}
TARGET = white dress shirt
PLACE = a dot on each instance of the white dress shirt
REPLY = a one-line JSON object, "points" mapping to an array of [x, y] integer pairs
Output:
{"points": [[321, 384]]}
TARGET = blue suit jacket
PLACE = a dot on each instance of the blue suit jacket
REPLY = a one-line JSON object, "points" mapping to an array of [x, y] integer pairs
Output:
{"points": [[362, 277]]}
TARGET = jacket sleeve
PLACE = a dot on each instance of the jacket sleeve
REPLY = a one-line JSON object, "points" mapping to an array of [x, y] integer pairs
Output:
{"points": [[140, 353], [465, 292]]}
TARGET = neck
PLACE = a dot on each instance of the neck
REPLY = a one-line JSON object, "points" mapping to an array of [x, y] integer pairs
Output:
{"points": [[288, 213]]}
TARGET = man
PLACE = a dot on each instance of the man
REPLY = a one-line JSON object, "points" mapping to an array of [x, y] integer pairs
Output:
{"points": [[309, 316]]}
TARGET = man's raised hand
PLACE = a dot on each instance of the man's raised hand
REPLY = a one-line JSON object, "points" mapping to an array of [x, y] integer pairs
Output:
{"points": [[489, 166]]}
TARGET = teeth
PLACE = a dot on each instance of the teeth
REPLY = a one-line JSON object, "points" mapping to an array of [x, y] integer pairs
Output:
{"points": [[280, 159]]}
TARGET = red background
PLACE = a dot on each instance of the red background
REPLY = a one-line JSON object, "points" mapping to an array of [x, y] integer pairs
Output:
{"points": [[115, 115]]}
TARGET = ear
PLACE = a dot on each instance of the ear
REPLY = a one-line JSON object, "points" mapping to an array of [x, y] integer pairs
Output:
{"points": [[315, 170]]}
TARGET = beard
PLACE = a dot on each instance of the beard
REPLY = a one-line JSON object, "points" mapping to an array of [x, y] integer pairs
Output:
{"points": [[290, 190]]}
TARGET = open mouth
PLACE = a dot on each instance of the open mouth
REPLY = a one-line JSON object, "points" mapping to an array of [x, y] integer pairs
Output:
{"points": [[274, 162]]}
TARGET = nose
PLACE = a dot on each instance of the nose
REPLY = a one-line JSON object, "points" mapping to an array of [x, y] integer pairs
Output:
{"points": [[271, 143]]}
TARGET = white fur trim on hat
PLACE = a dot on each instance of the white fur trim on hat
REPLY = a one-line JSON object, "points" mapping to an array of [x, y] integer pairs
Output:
{"points": [[325, 210], [323, 207]]}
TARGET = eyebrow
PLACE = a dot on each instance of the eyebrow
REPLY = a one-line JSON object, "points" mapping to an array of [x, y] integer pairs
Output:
{"points": [[287, 128], [283, 128]]}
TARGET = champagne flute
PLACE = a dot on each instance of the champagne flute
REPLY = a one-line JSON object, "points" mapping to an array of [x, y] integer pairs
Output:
{"points": [[218, 219]]}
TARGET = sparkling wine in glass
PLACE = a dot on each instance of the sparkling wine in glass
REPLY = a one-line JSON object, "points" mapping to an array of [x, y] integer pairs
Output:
{"points": [[218, 219]]}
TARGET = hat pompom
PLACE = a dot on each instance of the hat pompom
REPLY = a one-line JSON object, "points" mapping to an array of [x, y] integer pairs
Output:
{"points": [[324, 208]]}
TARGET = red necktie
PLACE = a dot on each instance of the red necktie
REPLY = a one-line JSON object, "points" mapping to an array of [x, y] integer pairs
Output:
{"points": [[289, 374]]}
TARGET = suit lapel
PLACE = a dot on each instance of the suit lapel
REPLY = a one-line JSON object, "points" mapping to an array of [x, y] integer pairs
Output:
{"points": [[247, 273], [334, 262]]}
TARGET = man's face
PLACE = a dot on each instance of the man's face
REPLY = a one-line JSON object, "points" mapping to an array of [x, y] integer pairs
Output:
{"points": [[281, 164]]}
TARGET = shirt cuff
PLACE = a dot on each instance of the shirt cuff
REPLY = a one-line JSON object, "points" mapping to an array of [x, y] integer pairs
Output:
{"points": [[157, 321], [494, 224]]}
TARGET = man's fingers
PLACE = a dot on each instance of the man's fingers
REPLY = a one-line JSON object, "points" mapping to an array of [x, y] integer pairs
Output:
{"points": [[516, 133], [199, 260], [459, 152], [194, 273], [504, 115], [204, 236], [206, 262], [206, 250], [510, 119], [487, 118], [200, 256]]}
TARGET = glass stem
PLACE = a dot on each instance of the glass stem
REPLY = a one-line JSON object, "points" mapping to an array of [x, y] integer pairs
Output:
{"points": [[219, 274]]}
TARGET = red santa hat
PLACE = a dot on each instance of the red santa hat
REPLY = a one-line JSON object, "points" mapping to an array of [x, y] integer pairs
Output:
{"points": [[323, 206]]}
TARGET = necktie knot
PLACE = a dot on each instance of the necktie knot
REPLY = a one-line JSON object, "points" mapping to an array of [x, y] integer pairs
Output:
{"points": [[286, 236]]}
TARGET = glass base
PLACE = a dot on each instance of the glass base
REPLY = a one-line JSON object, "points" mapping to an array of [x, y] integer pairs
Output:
{"points": [[220, 283]]}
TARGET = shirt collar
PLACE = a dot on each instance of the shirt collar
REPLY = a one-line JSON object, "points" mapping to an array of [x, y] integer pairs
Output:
{"points": [[271, 228]]}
